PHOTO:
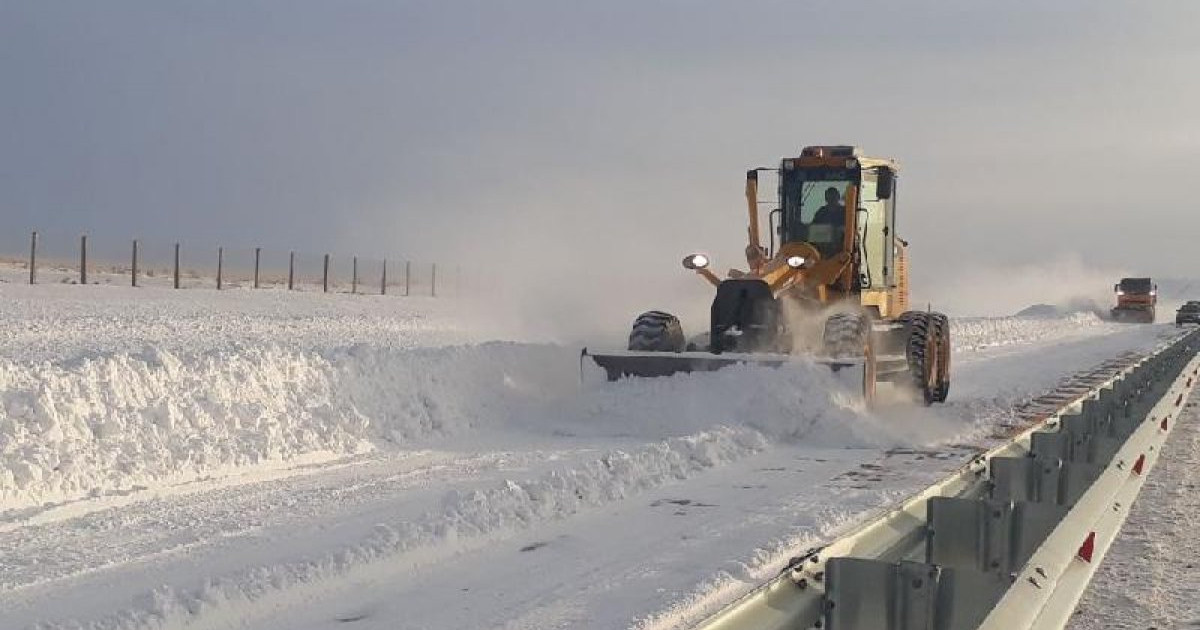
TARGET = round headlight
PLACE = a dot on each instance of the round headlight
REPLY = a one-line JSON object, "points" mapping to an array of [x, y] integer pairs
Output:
{"points": [[795, 262], [695, 261]]}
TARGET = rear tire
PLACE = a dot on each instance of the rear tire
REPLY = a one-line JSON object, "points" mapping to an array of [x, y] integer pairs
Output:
{"points": [[944, 346], [656, 331], [928, 353]]}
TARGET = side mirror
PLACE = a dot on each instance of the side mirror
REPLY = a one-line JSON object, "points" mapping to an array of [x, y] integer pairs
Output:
{"points": [[774, 219], [886, 183]]}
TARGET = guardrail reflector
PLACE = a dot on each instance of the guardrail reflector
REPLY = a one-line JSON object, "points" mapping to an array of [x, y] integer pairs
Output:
{"points": [[1137, 466], [1087, 548], [1163, 425]]}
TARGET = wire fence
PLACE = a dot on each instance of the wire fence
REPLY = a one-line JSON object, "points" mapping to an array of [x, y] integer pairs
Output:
{"points": [[81, 260]]}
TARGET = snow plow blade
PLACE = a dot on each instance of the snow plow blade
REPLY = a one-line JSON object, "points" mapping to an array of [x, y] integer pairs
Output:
{"points": [[653, 364]]}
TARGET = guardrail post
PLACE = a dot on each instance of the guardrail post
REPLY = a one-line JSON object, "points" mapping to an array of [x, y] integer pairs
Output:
{"points": [[383, 282], [433, 281], [220, 265], [354, 275], [291, 270], [407, 278], [133, 274], [176, 265], [257, 258]]}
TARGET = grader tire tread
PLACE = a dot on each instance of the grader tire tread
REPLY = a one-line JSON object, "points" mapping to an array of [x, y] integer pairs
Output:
{"points": [[656, 331], [845, 335], [920, 327], [942, 326]]}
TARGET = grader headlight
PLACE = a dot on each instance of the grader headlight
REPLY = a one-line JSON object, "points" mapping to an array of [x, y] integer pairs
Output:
{"points": [[796, 262], [695, 262]]}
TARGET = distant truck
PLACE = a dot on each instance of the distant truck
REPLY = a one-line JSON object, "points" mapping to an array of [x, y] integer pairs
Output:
{"points": [[1136, 299]]}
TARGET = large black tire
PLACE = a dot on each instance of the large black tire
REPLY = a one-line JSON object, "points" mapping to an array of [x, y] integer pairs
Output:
{"points": [[656, 331], [924, 353], [848, 336], [942, 326]]}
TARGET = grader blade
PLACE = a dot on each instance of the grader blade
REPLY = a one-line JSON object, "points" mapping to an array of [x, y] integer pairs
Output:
{"points": [[619, 365]]}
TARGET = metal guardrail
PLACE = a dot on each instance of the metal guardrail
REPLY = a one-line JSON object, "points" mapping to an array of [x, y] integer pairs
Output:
{"points": [[1008, 541]]}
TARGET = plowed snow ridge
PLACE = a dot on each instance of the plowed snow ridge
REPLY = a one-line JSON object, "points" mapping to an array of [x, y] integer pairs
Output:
{"points": [[116, 422]]}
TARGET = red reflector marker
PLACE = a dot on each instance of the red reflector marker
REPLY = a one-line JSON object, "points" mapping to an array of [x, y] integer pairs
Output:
{"points": [[1179, 400], [1087, 548], [1163, 425], [1137, 466]]}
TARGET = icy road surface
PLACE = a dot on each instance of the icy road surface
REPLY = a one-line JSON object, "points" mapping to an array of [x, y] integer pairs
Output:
{"points": [[201, 460]]}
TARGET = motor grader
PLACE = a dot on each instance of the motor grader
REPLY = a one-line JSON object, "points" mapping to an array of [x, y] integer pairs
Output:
{"points": [[834, 288]]}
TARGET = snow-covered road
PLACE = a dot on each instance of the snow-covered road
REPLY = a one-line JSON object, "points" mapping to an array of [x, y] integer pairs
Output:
{"points": [[279, 461]]}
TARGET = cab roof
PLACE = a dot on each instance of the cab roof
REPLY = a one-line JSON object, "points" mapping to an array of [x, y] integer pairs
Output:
{"points": [[837, 155]]}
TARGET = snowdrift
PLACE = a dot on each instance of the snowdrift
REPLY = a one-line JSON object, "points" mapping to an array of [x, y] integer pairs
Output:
{"points": [[121, 421]]}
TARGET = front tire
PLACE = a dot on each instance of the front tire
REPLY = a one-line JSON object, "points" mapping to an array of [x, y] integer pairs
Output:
{"points": [[656, 331], [848, 336]]}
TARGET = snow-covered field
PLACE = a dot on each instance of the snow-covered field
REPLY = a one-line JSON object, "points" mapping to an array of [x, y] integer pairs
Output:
{"points": [[264, 459]]}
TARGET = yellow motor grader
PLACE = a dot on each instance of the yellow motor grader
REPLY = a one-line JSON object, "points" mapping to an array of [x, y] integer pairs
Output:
{"points": [[835, 288]]}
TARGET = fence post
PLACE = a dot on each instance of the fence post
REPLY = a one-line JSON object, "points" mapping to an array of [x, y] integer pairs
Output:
{"points": [[257, 257], [83, 259], [176, 265], [220, 265], [354, 275], [407, 277], [291, 270], [383, 282], [325, 276], [33, 258], [433, 281], [133, 274]]}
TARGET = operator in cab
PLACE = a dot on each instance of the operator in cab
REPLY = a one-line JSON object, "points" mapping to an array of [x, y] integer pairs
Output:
{"points": [[833, 212]]}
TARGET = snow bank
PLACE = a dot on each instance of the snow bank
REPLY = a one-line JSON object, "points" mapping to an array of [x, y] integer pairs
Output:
{"points": [[115, 423], [976, 333], [118, 422]]}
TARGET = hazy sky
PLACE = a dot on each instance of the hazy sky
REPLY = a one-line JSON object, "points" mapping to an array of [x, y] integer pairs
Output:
{"points": [[603, 141]]}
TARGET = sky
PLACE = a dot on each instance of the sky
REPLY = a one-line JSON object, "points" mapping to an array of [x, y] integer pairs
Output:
{"points": [[574, 152]]}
